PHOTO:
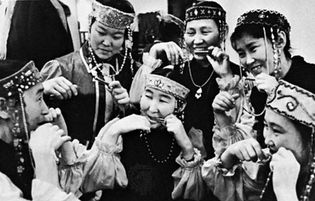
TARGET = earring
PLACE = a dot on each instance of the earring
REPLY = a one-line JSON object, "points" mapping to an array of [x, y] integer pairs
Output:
{"points": [[276, 54]]}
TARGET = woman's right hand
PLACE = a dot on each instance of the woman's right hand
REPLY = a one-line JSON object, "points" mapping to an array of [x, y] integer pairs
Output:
{"points": [[245, 150], [124, 125]]}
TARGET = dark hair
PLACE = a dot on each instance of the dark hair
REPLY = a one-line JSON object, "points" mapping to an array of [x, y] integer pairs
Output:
{"points": [[257, 31]]}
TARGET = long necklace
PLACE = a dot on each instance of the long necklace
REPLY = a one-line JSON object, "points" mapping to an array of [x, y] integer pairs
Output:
{"points": [[198, 93], [116, 71], [266, 185], [143, 135]]}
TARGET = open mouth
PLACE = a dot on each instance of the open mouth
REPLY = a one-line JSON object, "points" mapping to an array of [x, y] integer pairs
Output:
{"points": [[256, 69]]}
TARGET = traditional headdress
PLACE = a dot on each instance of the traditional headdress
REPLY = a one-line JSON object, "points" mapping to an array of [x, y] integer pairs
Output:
{"points": [[14, 81], [268, 19], [166, 85], [265, 18], [197, 12], [297, 104], [294, 102], [111, 17]]}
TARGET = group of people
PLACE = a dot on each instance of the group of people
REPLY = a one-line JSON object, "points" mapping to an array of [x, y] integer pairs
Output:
{"points": [[186, 124]]}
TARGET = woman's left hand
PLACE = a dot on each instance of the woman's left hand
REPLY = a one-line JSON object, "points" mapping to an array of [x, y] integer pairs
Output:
{"points": [[219, 61], [175, 126], [266, 83], [286, 170]]}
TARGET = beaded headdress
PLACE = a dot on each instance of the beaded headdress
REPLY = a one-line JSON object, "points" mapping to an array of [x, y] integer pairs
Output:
{"points": [[197, 12], [111, 17], [12, 106], [293, 102], [166, 85], [264, 17]]}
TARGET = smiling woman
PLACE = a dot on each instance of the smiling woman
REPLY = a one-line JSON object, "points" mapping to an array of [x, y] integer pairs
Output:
{"points": [[75, 82]]}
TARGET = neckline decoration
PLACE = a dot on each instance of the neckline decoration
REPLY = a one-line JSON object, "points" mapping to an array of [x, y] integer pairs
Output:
{"points": [[199, 91]]}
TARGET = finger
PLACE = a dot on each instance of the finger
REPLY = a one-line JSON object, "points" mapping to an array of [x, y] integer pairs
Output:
{"points": [[123, 101], [173, 54], [61, 90], [74, 89], [54, 93], [61, 141], [115, 84], [65, 85]]}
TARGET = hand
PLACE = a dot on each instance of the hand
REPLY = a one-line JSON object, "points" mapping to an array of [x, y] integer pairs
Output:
{"points": [[119, 93], [220, 62], [171, 49], [46, 139], [175, 126], [245, 150], [125, 125], [283, 163], [266, 83], [224, 101], [55, 117], [60, 87]]}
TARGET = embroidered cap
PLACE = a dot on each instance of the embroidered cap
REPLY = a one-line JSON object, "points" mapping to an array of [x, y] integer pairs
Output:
{"points": [[166, 85], [111, 17], [294, 102], [17, 80], [264, 17]]}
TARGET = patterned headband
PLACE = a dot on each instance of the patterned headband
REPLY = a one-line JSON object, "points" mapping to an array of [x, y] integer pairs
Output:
{"points": [[111, 17], [264, 17], [204, 12], [293, 102], [166, 85], [20, 81]]}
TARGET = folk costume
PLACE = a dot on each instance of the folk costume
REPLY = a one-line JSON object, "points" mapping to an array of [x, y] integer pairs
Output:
{"points": [[16, 165], [149, 157], [250, 180], [86, 113], [201, 81], [300, 73]]}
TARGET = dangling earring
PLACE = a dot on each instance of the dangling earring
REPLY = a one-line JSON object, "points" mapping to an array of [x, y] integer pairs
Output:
{"points": [[276, 55]]}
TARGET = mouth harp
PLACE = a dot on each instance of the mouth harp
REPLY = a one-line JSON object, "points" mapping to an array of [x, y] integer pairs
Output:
{"points": [[250, 79], [102, 81], [201, 51]]}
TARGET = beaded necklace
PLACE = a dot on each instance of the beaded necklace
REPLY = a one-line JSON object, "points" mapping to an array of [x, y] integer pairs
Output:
{"points": [[143, 135], [99, 66]]}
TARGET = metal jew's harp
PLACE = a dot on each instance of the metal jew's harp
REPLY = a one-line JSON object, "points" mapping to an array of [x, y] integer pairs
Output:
{"points": [[201, 51], [102, 81], [250, 79]]}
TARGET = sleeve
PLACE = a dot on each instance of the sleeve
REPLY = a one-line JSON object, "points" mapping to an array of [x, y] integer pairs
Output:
{"points": [[94, 169], [244, 181], [188, 182], [241, 118], [51, 69], [45, 191], [40, 191], [137, 85], [8, 190]]}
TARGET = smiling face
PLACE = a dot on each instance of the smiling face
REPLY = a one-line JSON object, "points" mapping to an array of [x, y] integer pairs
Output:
{"points": [[201, 34], [254, 54], [280, 131], [35, 107], [106, 41], [156, 105]]}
